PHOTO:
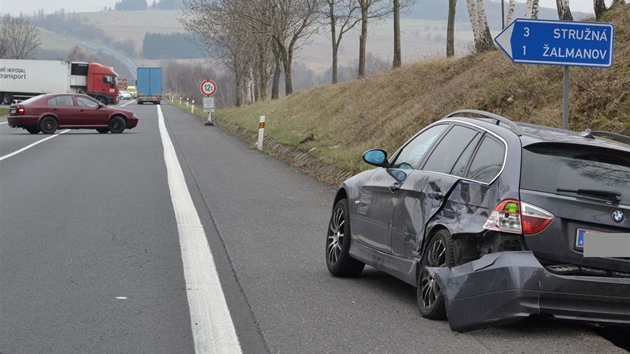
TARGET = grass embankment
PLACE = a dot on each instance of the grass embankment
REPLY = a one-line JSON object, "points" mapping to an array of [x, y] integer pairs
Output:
{"points": [[336, 123]]}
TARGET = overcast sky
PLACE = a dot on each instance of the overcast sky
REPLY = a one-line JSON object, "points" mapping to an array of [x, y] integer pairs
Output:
{"points": [[28, 7]]}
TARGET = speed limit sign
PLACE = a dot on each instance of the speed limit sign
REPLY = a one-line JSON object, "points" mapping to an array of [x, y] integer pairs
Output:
{"points": [[208, 88]]}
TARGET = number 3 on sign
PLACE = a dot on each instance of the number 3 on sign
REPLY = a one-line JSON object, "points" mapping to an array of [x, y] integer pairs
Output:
{"points": [[208, 88]]}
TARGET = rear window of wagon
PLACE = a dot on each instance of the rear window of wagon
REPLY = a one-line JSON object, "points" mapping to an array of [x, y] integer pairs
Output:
{"points": [[560, 168]]}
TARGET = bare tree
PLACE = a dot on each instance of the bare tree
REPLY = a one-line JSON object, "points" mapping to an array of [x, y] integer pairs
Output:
{"points": [[450, 29], [397, 62], [481, 30], [225, 36], [341, 16], [564, 12], [298, 19], [18, 38], [370, 10], [398, 6], [76, 54], [511, 8], [600, 8], [531, 9], [3, 45]]}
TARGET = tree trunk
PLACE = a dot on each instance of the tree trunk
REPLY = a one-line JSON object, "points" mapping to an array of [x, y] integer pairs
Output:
{"points": [[450, 29], [288, 80], [472, 14], [528, 9], [249, 86], [335, 63], [564, 12], [511, 12], [486, 42], [397, 63], [263, 78], [535, 7], [363, 42], [239, 87], [277, 73], [600, 8], [335, 44]]}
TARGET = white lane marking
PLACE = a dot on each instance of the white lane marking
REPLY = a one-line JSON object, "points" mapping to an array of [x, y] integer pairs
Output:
{"points": [[33, 144], [212, 326], [3, 123]]}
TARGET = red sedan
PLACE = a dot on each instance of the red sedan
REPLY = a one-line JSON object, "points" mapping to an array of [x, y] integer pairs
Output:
{"points": [[49, 112]]}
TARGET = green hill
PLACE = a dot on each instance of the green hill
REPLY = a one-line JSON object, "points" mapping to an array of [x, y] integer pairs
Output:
{"points": [[324, 130]]}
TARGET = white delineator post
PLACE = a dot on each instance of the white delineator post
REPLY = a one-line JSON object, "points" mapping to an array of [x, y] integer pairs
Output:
{"points": [[261, 132], [209, 121]]}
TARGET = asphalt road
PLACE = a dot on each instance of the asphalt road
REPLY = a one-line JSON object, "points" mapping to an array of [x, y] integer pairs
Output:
{"points": [[90, 258]]}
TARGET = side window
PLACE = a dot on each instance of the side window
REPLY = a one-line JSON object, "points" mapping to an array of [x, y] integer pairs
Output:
{"points": [[450, 149], [52, 101], [460, 166], [64, 101], [488, 161], [414, 151], [84, 102]]}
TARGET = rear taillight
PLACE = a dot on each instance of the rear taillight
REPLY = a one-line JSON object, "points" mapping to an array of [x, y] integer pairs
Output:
{"points": [[517, 217], [21, 111]]}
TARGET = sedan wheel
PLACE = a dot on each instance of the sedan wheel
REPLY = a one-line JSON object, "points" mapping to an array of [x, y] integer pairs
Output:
{"points": [[338, 240], [117, 125], [438, 253], [7, 98], [48, 125]]}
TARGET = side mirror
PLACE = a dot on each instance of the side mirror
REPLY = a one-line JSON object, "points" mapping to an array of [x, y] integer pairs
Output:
{"points": [[376, 157]]}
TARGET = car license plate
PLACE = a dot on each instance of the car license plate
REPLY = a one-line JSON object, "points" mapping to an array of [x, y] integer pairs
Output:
{"points": [[13, 110], [579, 238]]}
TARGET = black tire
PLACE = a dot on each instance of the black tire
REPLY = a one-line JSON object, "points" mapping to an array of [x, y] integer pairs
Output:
{"points": [[103, 130], [7, 98], [103, 100], [117, 125], [48, 125], [438, 253], [338, 239], [33, 130]]}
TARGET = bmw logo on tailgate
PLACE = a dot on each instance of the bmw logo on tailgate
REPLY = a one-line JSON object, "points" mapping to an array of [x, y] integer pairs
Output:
{"points": [[617, 216]]}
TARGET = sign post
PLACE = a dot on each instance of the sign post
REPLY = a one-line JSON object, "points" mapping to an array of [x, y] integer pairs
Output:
{"points": [[208, 88], [566, 43]]}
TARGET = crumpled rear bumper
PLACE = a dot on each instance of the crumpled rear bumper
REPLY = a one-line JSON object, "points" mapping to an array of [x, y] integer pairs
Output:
{"points": [[506, 286]]}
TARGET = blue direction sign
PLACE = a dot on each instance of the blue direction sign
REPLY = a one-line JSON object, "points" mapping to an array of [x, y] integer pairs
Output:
{"points": [[558, 42]]}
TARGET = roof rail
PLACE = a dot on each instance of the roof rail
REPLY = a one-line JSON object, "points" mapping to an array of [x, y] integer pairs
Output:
{"points": [[487, 115], [591, 134]]}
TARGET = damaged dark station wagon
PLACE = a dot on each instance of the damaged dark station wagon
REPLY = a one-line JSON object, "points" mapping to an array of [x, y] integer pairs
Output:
{"points": [[487, 218]]}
